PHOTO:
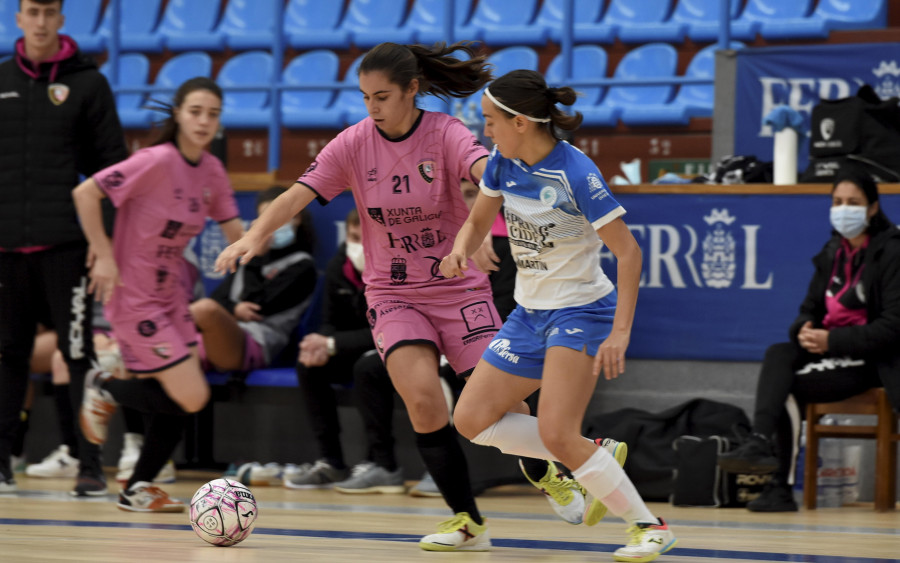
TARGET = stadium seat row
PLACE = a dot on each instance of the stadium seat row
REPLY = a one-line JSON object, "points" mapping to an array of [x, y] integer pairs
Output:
{"points": [[249, 24], [335, 108]]}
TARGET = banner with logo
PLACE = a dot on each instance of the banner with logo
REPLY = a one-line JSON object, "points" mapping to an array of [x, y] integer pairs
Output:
{"points": [[800, 77], [723, 275]]}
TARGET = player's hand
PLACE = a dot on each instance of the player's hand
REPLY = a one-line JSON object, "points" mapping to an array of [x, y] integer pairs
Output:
{"points": [[248, 311], [239, 253], [610, 358], [454, 265], [104, 274], [485, 258], [313, 350]]}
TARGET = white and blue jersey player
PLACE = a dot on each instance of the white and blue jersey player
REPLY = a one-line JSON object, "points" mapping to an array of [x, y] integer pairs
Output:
{"points": [[553, 210]]}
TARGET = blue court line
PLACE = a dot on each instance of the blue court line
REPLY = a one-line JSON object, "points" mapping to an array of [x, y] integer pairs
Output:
{"points": [[497, 542]]}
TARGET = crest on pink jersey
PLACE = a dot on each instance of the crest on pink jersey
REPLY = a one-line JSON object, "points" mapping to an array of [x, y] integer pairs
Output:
{"points": [[426, 169]]}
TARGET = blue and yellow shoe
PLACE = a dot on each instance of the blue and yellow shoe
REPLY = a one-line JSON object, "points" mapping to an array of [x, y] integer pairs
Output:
{"points": [[647, 542]]}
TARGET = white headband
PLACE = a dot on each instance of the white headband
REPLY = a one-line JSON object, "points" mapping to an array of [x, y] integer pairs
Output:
{"points": [[514, 112]]}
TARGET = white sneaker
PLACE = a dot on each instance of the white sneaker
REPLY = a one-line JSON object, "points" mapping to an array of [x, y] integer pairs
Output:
{"points": [[166, 474], [258, 475], [97, 407], [459, 533], [564, 494], [57, 464], [596, 510], [647, 542]]}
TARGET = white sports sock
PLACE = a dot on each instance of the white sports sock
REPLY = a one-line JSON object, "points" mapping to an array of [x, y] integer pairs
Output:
{"points": [[516, 434], [603, 478]]}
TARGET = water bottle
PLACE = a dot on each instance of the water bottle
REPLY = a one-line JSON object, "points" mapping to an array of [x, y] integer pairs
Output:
{"points": [[830, 480]]}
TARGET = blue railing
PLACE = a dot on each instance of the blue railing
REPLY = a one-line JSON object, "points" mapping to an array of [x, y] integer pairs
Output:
{"points": [[276, 86]]}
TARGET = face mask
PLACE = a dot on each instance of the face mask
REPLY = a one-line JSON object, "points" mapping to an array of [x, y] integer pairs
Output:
{"points": [[849, 220], [356, 256], [284, 236]]}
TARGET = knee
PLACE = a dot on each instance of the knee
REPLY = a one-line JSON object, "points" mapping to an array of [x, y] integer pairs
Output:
{"points": [[195, 402], [424, 411], [467, 421], [203, 310], [554, 437]]}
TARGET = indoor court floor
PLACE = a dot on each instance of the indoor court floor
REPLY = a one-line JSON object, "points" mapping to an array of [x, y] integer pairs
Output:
{"points": [[43, 523]]}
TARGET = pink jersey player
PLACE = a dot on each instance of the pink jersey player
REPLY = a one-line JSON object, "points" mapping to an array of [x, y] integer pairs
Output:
{"points": [[404, 167]]}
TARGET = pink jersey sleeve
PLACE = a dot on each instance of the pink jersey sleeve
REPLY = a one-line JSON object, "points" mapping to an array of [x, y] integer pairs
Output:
{"points": [[132, 177], [329, 174], [462, 148], [222, 206]]}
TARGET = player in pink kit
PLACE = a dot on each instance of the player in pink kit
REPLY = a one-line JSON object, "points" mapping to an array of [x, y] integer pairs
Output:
{"points": [[404, 166], [164, 194]]}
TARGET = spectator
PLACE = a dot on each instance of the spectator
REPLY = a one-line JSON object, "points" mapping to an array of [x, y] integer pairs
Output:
{"points": [[843, 342], [59, 120]]}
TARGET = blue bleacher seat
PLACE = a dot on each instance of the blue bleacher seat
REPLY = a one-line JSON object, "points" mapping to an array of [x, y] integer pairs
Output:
{"points": [[551, 15], [426, 20], [134, 70], [370, 22], [9, 31], [692, 100], [246, 109], [175, 71], [624, 19], [82, 20], [189, 25], [759, 16], [652, 60], [349, 103], [311, 24], [303, 109], [249, 24], [505, 22], [588, 62], [860, 14], [702, 17], [828, 15], [503, 61], [137, 26]]}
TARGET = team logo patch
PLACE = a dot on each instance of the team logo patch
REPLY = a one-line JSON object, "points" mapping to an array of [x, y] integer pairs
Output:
{"points": [[426, 170], [58, 93], [147, 328], [379, 341], [548, 195]]}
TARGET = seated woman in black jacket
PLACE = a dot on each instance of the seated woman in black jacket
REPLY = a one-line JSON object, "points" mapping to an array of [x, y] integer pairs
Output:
{"points": [[843, 342], [252, 315]]}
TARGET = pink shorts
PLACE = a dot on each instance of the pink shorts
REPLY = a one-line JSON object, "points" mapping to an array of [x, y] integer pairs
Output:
{"points": [[460, 324], [155, 340]]}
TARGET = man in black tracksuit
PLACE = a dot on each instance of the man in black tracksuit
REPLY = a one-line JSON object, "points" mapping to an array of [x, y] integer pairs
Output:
{"points": [[58, 120]]}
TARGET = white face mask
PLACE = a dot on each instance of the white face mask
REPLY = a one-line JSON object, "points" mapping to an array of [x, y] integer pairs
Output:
{"points": [[284, 236], [849, 220], [356, 255]]}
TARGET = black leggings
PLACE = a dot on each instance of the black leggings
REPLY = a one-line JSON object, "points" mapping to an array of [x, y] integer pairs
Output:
{"points": [[50, 284], [789, 370]]}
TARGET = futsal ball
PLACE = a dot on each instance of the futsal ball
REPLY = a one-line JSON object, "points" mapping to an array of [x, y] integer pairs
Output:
{"points": [[223, 512]]}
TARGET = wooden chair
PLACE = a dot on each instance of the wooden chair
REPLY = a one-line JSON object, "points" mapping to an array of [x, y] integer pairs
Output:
{"points": [[873, 401]]}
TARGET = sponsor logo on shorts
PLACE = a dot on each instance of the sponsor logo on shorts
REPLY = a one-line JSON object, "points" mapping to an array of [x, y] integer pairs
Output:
{"points": [[146, 328], [478, 316], [501, 348], [373, 316], [163, 350], [573, 330], [379, 341]]}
